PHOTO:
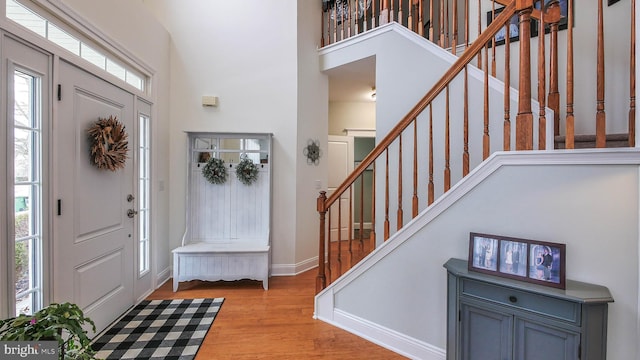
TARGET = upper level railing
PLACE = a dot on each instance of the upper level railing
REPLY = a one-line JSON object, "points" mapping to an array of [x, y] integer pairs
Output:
{"points": [[431, 164]]}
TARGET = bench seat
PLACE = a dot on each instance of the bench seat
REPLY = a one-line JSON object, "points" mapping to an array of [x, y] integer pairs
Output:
{"points": [[221, 261]]}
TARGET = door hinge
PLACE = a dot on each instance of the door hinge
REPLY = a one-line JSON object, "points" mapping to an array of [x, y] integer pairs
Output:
{"points": [[459, 315], [59, 92], [580, 350], [59, 207]]}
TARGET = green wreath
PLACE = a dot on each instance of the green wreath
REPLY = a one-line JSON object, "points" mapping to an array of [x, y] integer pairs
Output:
{"points": [[215, 171], [247, 171]]}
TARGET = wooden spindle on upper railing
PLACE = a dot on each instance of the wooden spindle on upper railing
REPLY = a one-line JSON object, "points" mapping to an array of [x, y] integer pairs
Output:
{"points": [[466, 25], [601, 118], [431, 34], [493, 41], [420, 18], [447, 143], [386, 198], [632, 80], [410, 16], [542, 87], [524, 119], [465, 125], [553, 101], [570, 120], [414, 207], [506, 128], [361, 231], [339, 259], [341, 23], [485, 136], [349, 17], [321, 280], [364, 16], [329, 248], [431, 187], [350, 227], [479, 31], [392, 13], [441, 23], [372, 233], [454, 30], [400, 214], [400, 14]]}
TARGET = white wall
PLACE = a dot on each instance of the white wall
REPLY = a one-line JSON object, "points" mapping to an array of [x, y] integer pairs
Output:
{"points": [[260, 63], [351, 115], [593, 209]]}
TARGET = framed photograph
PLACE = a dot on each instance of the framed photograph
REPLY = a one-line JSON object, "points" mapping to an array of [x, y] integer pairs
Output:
{"points": [[514, 28], [533, 261], [547, 264], [483, 253]]}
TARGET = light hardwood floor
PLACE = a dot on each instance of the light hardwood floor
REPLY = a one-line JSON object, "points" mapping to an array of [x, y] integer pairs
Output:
{"points": [[273, 324]]}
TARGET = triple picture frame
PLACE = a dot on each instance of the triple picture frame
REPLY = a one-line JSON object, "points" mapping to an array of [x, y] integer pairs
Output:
{"points": [[534, 261]]}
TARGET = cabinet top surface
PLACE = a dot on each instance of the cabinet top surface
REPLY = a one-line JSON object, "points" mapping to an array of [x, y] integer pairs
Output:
{"points": [[575, 290]]}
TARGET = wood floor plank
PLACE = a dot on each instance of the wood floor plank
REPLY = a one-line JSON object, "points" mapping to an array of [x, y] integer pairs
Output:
{"points": [[273, 324]]}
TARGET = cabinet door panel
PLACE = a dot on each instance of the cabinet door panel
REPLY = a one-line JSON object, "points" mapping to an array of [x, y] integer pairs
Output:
{"points": [[486, 335], [536, 341]]}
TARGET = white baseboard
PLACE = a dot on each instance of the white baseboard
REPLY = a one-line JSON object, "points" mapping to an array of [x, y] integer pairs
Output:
{"points": [[294, 269], [387, 338], [163, 276]]}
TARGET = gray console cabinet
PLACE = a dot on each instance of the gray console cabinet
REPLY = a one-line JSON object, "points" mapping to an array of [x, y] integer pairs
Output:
{"points": [[490, 317]]}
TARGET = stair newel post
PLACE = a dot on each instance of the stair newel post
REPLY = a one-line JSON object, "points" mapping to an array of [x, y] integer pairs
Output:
{"points": [[321, 280], [570, 122], [542, 120], [601, 136], [632, 80], [524, 119]]}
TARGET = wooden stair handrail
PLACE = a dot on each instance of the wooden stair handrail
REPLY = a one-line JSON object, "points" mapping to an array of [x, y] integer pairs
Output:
{"points": [[459, 65]]}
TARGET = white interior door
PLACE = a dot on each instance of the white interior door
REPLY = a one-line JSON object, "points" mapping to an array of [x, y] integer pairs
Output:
{"points": [[94, 237], [340, 154]]}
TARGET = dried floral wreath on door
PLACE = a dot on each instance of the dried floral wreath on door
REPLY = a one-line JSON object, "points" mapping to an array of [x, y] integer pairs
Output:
{"points": [[109, 143]]}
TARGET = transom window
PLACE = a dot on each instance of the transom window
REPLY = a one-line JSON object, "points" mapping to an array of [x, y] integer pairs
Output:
{"points": [[54, 33]]}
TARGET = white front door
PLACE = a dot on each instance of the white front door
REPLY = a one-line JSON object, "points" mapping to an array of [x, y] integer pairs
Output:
{"points": [[94, 236], [340, 154]]}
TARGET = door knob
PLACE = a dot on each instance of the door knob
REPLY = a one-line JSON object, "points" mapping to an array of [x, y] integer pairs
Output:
{"points": [[130, 198], [131, 213]]}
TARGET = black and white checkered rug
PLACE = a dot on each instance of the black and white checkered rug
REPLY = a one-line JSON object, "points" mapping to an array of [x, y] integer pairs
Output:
{"points": [[159, 329]]}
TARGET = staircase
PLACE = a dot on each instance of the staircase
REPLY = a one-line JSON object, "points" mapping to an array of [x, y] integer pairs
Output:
{"points": [[447, 146]]}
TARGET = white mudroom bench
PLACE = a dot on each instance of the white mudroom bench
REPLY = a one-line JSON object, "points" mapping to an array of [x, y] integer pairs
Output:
{"points": [[227, 232]]}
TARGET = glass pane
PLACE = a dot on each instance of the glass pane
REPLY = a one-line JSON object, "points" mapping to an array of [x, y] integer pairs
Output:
{"points": [[230, 144], [92, 56], [23, 270], [229, 158], [23, 156], [26, 18], [66, 41], [134, 80], [24, 304], [252, 144], [204, 143], [22, 217], [115, 69], [23, 90]]}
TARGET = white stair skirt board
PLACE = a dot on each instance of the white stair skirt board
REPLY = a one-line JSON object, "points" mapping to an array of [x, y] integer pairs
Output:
{"points": [[325, 307]]}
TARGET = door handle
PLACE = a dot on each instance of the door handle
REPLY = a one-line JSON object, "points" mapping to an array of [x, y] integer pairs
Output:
{"points": [[130, 198], [131, 213]]}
